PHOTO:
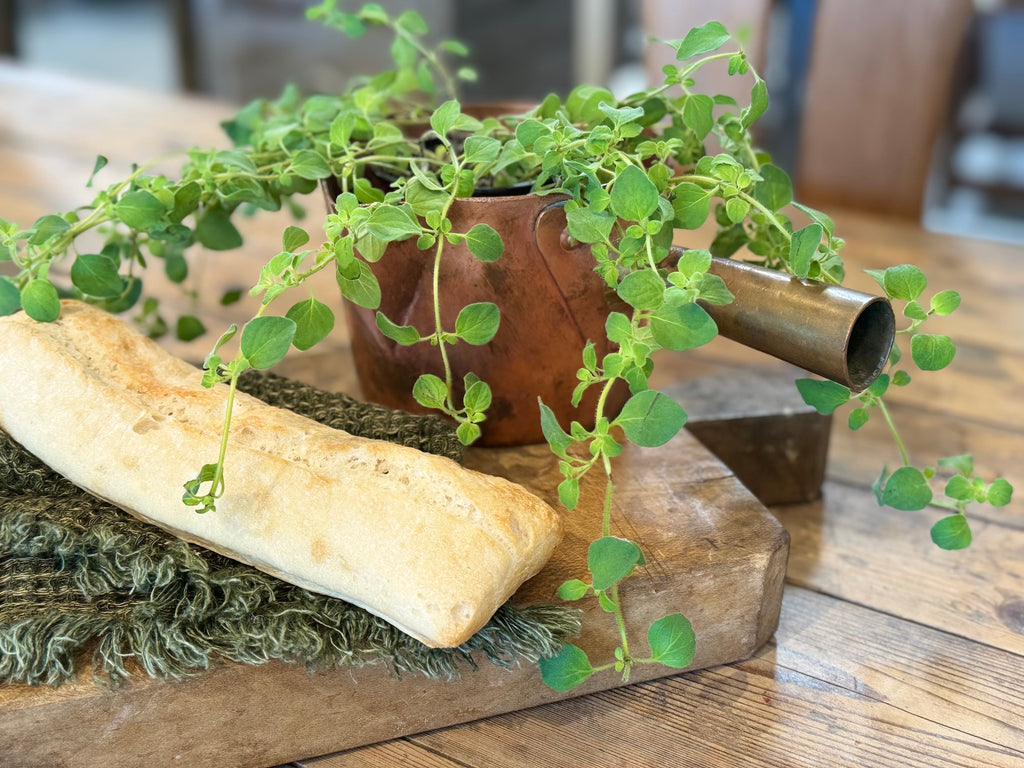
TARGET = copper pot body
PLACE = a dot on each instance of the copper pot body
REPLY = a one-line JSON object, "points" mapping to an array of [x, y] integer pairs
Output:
{"points": [[551, 304]]}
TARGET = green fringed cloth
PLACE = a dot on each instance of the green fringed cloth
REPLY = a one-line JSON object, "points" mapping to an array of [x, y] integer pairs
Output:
{"points": [[77, 572]]}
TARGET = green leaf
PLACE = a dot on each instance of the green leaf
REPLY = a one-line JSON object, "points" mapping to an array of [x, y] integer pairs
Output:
{"points": [[693, 261], [477, 323], [634, 197], [679, 324], [907, 489], [758, 103], [703, 39], [713, 290], [552, 431], [528, 131], [736, 208], [569, 493], [423, 200], [216, 232], [482, 149], [405, 335], [610, 559], [584, 103], [962, 463], [904, 281], [265, 340], [643, 289], [40, 301], [363, 289], [573, 589], [999, 493], [293, 238], [342, 127], [389, 223], [224, 339], [914, 311], [478, 395], [932, 352], [445, 117], [101, 163], [819, 218], [858, 418], [484, 243], [952, 532], [945, 302], [348, 23], [175, 267], [775, 190], [672, 640], [900, 378], [697, 114], [139, 209], [589, 226], [879, 386], [617, 327], [566, 670], [46, 227], [189, 327], [803, 247], [429, 391], [186, 200], [650, 418], [728, 241], [691, 205], [307, 164], [467, 432], [403, 52], [960, 488], [313, 321], [10, 297], [96, 275], [823, 396]]}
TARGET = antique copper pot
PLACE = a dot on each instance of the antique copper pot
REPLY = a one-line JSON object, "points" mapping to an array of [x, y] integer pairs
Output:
{"points": [[551, 304]]}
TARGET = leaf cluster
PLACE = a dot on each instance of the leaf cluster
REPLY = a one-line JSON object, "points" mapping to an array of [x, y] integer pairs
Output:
{"points": [[671, 639], [910, 487]]}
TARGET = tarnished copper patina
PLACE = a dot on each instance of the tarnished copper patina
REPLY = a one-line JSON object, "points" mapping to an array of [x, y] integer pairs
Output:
{"points": [[552, 303]]}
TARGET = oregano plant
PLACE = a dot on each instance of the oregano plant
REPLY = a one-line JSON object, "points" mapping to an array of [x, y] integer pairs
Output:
{"points": [[631, 171], [912, 486]]}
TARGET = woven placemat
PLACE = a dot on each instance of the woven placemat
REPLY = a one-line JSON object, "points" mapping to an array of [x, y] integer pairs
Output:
{"points": [[77, 572]]}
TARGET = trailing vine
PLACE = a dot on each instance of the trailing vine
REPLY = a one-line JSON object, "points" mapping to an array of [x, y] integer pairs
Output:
{"points": [[634, 170]]}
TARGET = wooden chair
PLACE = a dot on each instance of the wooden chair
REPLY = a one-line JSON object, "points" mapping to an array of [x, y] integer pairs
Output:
{"points": [[878, 95], [877, 92]]}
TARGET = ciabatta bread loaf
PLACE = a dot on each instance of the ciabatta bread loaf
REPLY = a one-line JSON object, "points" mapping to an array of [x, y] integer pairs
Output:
{"points": [[416, 539]]}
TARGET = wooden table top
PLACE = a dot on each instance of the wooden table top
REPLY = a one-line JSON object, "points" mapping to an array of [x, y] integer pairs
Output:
{"points": [[889, 652]]}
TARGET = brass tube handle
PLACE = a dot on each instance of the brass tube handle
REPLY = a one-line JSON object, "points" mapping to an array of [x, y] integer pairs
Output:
{"points": [[829, 330]]}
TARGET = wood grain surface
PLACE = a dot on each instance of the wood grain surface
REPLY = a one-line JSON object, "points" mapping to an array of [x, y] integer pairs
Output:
{"points": [[713, 552], [889, 652]]}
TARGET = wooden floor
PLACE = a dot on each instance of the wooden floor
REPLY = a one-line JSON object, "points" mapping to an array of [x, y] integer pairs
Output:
{"points": [[890, 652]]}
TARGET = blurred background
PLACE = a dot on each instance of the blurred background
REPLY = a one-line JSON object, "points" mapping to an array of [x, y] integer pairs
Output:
{"points": [[913, 108]]}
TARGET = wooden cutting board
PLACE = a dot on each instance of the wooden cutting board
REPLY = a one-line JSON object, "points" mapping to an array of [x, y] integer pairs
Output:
{"points": [[713, 553]]}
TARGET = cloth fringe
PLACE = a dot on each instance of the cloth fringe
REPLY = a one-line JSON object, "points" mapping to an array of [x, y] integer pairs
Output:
{"points": [[77, 572]]}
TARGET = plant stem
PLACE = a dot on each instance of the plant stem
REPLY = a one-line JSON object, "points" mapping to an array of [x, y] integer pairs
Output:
{"points": [[701, 62], [217, 484], [436, 297], [623, 635], [895, 434]]}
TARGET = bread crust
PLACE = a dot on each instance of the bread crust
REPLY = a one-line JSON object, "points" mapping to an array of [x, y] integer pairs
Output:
{"points": [[426, 544]]}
